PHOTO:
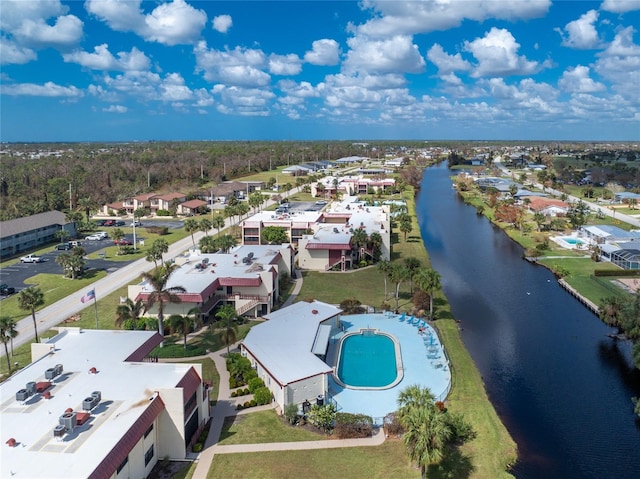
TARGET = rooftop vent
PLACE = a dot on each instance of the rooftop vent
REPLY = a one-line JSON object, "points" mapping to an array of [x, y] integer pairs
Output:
{"points": [[314, 311], [46, 395], [12, 442], [335, 230], [250, 255], [93, 371]]}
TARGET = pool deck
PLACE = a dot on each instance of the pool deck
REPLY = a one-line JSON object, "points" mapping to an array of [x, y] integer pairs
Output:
{"points": [[419, 369]]}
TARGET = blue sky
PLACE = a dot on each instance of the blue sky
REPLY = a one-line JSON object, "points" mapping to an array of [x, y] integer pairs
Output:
{"points": [[128, 70]]}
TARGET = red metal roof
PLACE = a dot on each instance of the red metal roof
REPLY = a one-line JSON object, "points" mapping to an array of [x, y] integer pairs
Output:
{"points": [[193, 204], [148, 346], [332, 246], [110, 463], [241, 281], [189, 384]]}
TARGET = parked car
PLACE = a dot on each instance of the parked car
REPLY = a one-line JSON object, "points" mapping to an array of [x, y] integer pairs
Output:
{"points": [[122, 242], [119, 223], [109, 223], [136, 223], [102, 234], [75, 243], [31, 258], [6, 290], [100, 222], [321, 202], [64, 246], [95, 237]]}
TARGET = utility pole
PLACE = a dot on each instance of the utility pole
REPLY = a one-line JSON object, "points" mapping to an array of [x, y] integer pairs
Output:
{"points": [[70, 199]]}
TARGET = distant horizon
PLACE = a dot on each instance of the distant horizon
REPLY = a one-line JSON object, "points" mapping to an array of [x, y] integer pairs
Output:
{"points": [[193, 70]]}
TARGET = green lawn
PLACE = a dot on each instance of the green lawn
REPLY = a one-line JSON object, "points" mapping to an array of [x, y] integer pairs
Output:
{"points": [[379, 462], [262, 427]]}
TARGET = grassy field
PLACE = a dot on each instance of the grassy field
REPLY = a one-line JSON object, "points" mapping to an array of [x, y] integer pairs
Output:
{"points": [[263, 427], [383, 462]]}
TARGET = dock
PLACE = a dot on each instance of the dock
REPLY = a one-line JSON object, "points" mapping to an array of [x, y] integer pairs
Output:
{"points": [[588, 303]]}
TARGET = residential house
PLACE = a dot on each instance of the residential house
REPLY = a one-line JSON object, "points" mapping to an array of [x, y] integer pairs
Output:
{"points": [[288, 351], [191, 207], [547, 206]]}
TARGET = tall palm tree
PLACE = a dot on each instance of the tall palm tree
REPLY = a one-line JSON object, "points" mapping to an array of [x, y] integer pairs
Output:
{"points": [[426, 434], [375, 241], [226, 242], [208, 244], [398, 274], [30, 299], [205, 226], [414, 397], [359, 239], [161, 294], [218, 222], [384, 266], [228, 316], [8, 331], [412, 263], [428, 281], [191, 226], [129, 311], [185, 324]]}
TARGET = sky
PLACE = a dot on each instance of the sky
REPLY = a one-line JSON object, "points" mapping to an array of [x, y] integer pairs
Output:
{"points": [[182, 70]]}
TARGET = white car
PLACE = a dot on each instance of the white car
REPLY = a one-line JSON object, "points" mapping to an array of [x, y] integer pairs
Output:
{"points": [[321, 202], [136, 223], [94, 237]]}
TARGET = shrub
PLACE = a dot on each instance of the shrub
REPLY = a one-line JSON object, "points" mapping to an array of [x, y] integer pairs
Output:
{"points": [[440, 405], [232, 382], [255, 384], [197, 447], [392, 424], [253, 403], [322, 416], [159, 230], [462, 430], [233, 394], [291, 413], [249, 375], [239, 407], [163, 213], [247, 404], [349, 426], [262, 396], [246, 391]]}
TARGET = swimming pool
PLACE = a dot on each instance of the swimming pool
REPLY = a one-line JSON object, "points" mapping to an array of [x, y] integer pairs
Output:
{"points": [[368, 359], [571, 240]]}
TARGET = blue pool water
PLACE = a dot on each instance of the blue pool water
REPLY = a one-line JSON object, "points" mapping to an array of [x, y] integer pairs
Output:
{"points": [[570, 240], [367, 360]]}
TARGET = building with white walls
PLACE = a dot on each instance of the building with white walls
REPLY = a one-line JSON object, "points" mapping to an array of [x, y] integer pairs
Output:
{"points": [[90, 406]]}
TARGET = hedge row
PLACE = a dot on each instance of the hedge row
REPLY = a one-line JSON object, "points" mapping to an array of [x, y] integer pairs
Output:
{"points": [[622, 272]]}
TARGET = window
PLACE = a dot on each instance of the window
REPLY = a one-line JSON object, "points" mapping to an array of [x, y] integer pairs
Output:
{"points": [[121, 466], [148, 455], [148, 431]]}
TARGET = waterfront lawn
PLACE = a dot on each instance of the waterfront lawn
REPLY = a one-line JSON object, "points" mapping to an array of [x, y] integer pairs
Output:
{"points": [[379, 462], [263, 427]]}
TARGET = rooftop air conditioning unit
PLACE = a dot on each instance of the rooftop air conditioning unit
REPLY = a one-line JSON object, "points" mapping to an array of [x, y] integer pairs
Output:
{"points": [[58, 431], [22, 395], [50, 373], [68, 420], [89, 403], [97, 395], [58, 369], [31, 388]]}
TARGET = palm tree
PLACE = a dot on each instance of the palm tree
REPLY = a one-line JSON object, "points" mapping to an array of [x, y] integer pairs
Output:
{"points": [[208, 244], [406, 226], [185, 324], [30, 299], [412, 265], [161, 294], [359, 239], [228, 315], [129, 311], [375, 240], [384, 266], [158, 248], [8, 331], [428, 281], [205, 226], [226, 242], [398, 273], [426, 429], [117, 234], [218, 222], [191, 226]]}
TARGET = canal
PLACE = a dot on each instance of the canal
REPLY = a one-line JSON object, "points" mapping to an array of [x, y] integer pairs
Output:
{"points": [[559, 383]]}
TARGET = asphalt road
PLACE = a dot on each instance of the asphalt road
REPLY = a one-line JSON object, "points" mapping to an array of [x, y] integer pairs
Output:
{"points": [[54, 314]]}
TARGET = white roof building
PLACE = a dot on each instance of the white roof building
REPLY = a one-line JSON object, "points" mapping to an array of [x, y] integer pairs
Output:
{"points": [[89, 407], [288, 350]]}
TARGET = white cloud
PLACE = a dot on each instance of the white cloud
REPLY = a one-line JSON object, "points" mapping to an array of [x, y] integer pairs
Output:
{"points": [[243, 101], [325, 52], [303, 89], [410, 17], [33, 25], [11, 53], [240, 66], [102, 59], [285, 64], [222, 23], [116, 109], [394, 54], [577, 79], [447, 63], [497, 55], [619, 63], [581, 33], [49, 89], [172, 23], [620, 6]]}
